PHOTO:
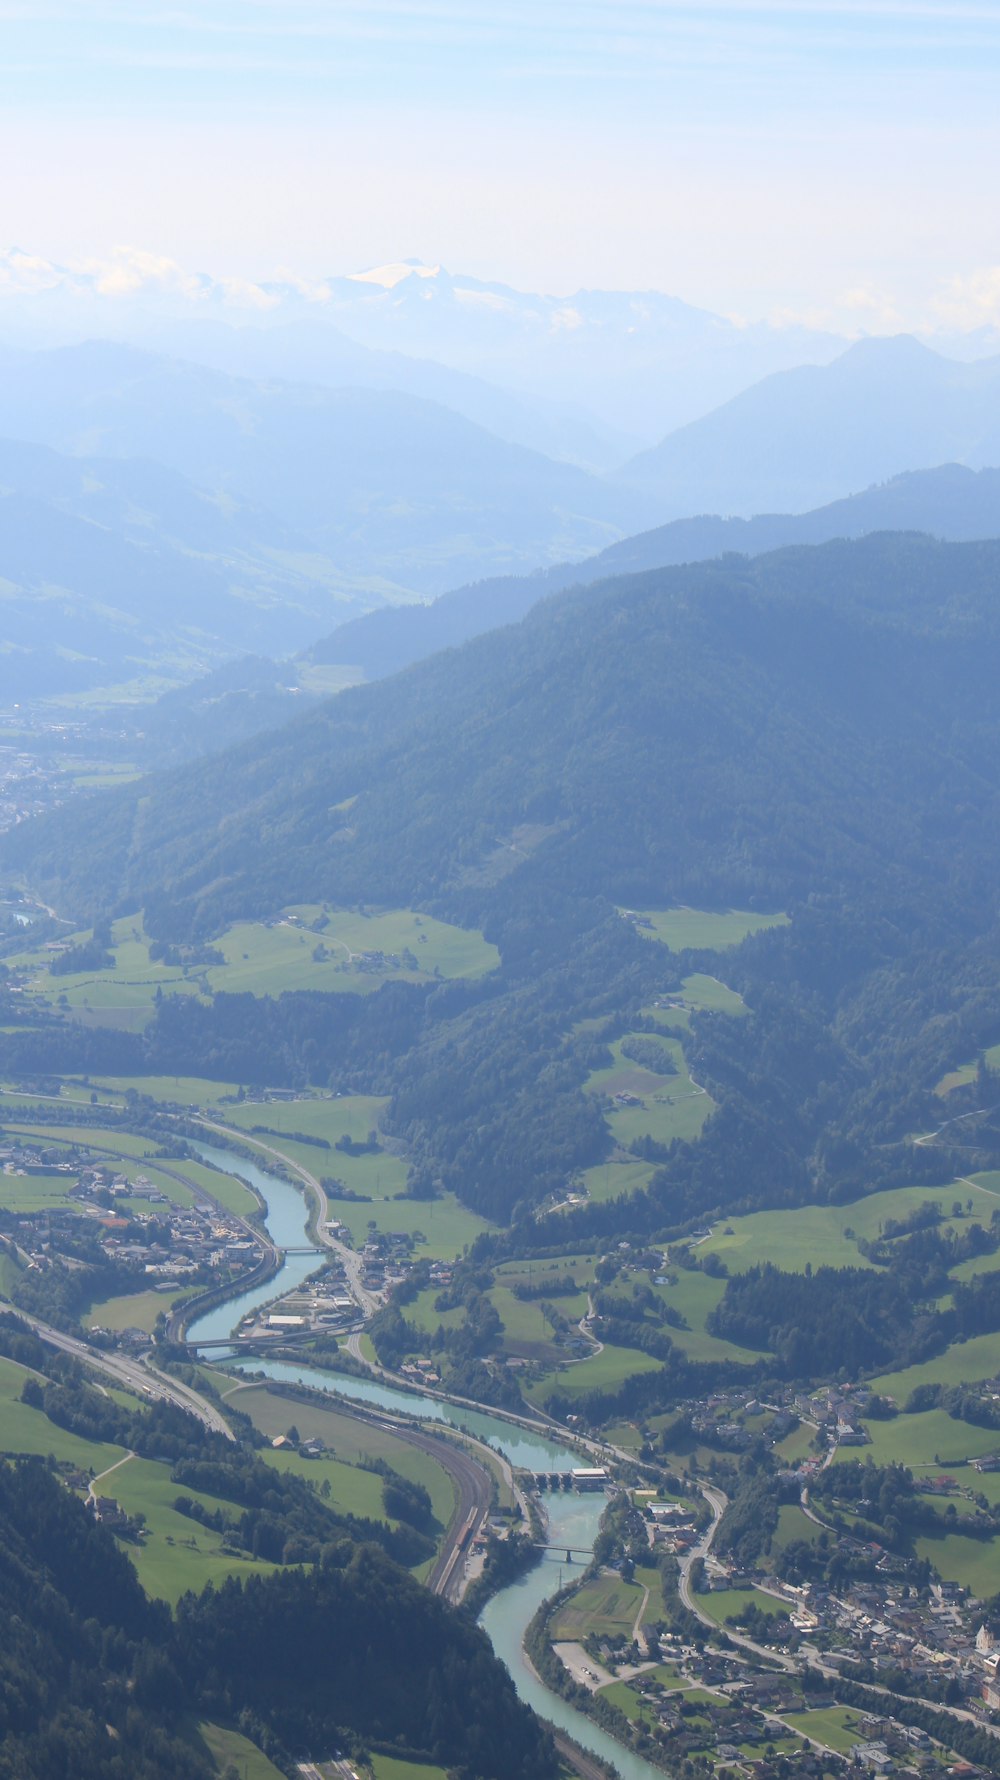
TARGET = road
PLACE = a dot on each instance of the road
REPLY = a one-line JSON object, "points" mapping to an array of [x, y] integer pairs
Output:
{"points": [[718, 1503], [144, 1380], [351, 1262]]}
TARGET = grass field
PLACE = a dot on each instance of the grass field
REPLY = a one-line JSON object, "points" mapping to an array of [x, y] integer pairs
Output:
{"points": [[695, 1294], [722, 1603], [135, 1310], [303, 948], [793, 1525], [605, 1606], [182, 1090], [707, 995], [132, 1156], [684, 929], [390, 1767], [30, 1193], [668, 1106], [229, 1749], [836, 1727], [379, 1174], [926, 1440], [963, 1073], [176, 1553], [29, 1431], [818, 1233], [974, 1563], [617, 1179], [603, 1372], [966, 1362], [347, 1439], [265, 959]]}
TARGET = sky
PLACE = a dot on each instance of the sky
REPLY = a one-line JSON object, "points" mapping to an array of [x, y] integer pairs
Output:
{"points": [[835, 163]]}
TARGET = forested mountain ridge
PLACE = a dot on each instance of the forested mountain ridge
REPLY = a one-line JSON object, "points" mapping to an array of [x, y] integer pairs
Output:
{"points": [[815, 732], [819, 432], [778, 686], [950, 502]]}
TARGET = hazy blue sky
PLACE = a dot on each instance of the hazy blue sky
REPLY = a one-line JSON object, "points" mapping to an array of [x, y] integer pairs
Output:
{"points": [[839, 161]]}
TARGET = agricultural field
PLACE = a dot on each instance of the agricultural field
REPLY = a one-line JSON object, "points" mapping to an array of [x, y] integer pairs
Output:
{"points": [[135, 1310], [346, 1438], [378, 1173], [131, 1155], [699, 930], [825, 1234], [695, 1295], [322, 948], [30, 1193], [964, 1073], [391, 1767], [24, 1430], [965, 1362], [604, 1606], [792, 1526], [176, 1553], [975, 1563], [308, 947], [658, 1105], [600, 1372], [923, 1442], [229, 1749], [617, 1178]]}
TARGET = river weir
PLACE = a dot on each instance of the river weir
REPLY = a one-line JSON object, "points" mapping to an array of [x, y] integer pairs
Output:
{"points": [[573, 1520]]}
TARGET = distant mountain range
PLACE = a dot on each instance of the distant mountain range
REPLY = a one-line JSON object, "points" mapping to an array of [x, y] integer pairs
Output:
{"points": [[191, 515], [638, 362], [407, 497], [814, 434], [120, 569], [949, 502]]}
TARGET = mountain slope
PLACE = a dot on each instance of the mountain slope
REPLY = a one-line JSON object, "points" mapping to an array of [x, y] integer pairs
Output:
{"points": [[815, 732], [400, 491], [951, 502], [817, 433], [119, 568], [776, 683]]}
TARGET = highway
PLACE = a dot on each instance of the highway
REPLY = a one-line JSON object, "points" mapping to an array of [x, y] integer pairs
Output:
{"points": [[144, 1380]]}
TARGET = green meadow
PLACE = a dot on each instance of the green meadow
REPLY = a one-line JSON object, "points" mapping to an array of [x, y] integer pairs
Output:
{"points": [[695, 1295], [307, 947], [836, 1727], [605, 1605], [617, 1178], [391, 1767], [966, 1362], [313, 948], [229, 1749], [600, 1372], [818, 1234], [135, 1310], [722, 1603], [667, 1106], [133, 1156], [683, 929], [347, 1440], [924, 1442]]}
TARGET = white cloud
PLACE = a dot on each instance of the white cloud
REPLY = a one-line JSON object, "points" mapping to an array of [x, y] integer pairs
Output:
{"points": [[968, 302]]}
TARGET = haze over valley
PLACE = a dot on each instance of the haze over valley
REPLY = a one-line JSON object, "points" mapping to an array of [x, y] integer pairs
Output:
{"points": [[499, 933]]}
